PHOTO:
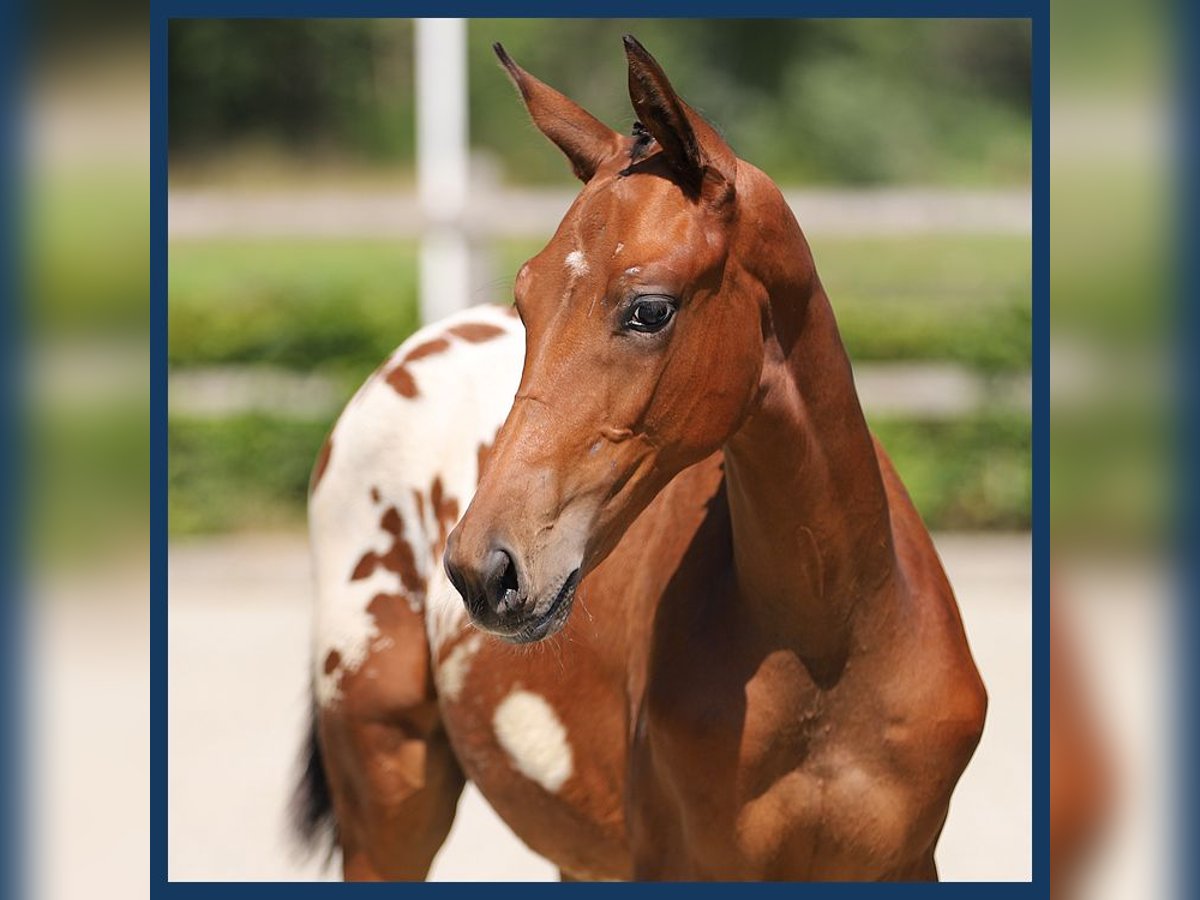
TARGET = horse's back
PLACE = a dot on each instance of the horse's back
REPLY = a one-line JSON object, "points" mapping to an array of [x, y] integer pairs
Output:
{"points": [[397, 470]]}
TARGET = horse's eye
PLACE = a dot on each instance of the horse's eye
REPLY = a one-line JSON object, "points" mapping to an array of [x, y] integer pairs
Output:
{"points": [[650, 314]]}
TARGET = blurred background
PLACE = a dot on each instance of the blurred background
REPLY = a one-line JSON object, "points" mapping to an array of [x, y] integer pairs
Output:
{"points": [[309, 204], [295, 247], [295, 222], [1120, 709]]}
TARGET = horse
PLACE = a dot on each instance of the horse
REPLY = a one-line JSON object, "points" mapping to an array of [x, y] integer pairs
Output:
{"points": [[626, 555]]}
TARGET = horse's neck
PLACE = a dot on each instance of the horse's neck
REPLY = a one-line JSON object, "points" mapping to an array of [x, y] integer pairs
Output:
{"points": [[811, 531]]}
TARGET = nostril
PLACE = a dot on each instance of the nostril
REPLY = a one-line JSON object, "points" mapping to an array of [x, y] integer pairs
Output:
{"points": [[502, 584], [509, 579]]}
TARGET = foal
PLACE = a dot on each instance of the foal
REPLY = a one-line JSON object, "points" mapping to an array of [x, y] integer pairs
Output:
{"points": [[767, 675]]}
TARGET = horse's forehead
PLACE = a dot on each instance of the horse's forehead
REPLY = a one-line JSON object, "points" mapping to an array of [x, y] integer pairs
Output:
{"points": [[636, 214]]}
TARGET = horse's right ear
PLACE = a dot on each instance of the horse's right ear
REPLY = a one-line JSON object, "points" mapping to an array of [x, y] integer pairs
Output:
{"points": [[586, 141]]}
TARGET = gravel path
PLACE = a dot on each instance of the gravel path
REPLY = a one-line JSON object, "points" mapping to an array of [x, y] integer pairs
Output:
{"points": [[239, 625]]}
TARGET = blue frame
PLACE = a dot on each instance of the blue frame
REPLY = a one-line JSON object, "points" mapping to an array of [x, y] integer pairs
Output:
{"points": [[14, 800], [1037, 11]]}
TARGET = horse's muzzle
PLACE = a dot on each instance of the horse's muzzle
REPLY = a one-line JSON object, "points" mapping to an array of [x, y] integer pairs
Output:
{"points": [[499, 598]]}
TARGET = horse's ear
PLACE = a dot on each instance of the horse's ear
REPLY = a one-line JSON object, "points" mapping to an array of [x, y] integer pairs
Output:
{"points": [[586, 141], [704, 163]]}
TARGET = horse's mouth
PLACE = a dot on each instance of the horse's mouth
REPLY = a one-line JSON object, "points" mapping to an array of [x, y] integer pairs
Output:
{"points": [[548, 622]]}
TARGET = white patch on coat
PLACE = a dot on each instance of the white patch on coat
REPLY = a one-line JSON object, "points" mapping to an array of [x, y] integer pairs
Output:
{"points": [[534, 739], [399, 445], [452, 672], [617, 250], [576, 262]]}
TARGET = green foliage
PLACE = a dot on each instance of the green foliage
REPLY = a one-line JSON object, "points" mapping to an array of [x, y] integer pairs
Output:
{"points": [[340, 307], [321, 85], [949, 298], [88, 493], [242, 472], [808, 100], [970, 473], [960, 299], [87, 241], [336, 306]]}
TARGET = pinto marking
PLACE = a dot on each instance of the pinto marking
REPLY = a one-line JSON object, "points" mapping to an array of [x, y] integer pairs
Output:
{"points": [[399, 558], [452, 672], [476, 332], [534, 739], [421, 477]]}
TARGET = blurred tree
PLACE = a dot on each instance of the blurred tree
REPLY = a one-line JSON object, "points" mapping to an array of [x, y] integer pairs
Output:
{"points": [[337, 86], [837, 100]]}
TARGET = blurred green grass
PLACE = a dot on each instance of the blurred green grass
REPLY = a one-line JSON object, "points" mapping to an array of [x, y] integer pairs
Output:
{"points": [[331, 306], [239, 473], [341, 306], [954, 298], [86, 243], [251, 471], [338, 307]]}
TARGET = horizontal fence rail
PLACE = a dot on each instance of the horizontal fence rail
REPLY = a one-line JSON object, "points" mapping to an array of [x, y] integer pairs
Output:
{"points": [[198, 214]]}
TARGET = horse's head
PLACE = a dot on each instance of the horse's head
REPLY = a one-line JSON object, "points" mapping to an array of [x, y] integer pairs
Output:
{"points": [[644, 352]]}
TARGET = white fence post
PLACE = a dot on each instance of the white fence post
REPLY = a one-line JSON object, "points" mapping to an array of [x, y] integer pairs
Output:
{"points": [[443, 165]]}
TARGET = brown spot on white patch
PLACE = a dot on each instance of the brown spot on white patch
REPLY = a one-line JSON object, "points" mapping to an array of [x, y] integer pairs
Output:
{"points": [[402, 382], [476, 332], [332, 661], [401, 378], [321, 464], [428, 348], [398, 558], [374, 495], [419, 500]]}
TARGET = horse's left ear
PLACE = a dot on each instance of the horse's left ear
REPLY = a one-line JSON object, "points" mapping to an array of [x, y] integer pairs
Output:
{"points": [[703, 162]]}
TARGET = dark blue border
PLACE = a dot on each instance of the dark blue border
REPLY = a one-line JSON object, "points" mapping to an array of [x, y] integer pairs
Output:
{"points": [[1035, 10], [158, 449], [1038, 10], [1041, 449], [14, 799]]}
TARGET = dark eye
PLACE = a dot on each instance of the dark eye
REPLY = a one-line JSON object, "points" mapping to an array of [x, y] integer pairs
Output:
{"points": [[650, 314]]}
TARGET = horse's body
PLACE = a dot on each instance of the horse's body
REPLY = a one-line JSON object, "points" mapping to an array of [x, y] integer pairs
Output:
{"points": [[766, 678]]}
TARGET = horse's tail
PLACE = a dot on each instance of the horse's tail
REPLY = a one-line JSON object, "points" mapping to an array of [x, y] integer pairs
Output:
{"points": [[313, 822]]}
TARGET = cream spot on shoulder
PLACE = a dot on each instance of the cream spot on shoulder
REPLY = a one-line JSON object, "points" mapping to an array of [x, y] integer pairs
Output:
{"points": [[534, 739]]}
